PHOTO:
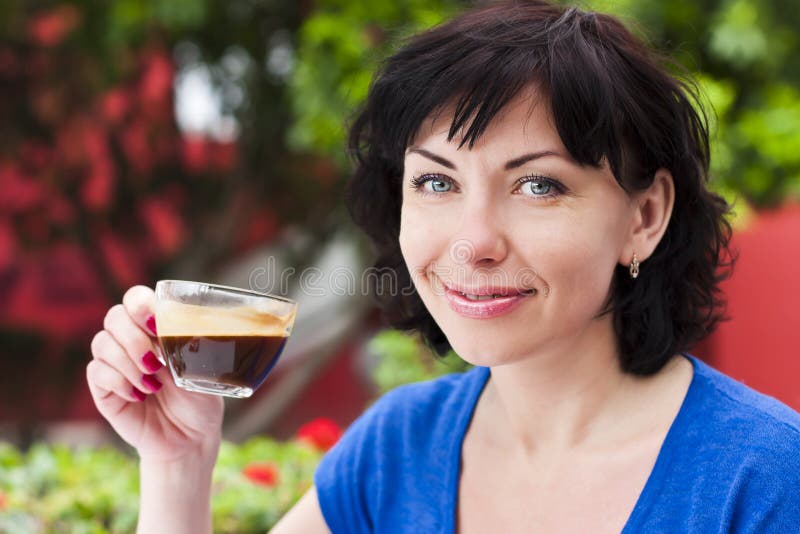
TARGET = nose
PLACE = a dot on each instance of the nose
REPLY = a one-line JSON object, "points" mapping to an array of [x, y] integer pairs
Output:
{"points": [[481, 239]]}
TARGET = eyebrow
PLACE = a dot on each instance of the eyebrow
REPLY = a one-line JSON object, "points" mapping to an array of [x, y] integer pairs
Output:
{"points": [[510, 165]]}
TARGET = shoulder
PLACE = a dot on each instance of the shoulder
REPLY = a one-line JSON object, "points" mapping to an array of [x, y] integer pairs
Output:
{"points": [[385, 459], [749, 444], [731, 459], [761, 420]]}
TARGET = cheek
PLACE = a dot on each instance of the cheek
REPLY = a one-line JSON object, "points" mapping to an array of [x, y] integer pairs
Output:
{"points": [[579, 265], [419, 239]]}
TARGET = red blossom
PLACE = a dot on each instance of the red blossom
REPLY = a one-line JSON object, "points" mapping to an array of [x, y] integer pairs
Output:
{"points": [[48, 28], [136, 146], [122, 260], [114, 105], [164, 224], [94, 140], [262, 473], [60, 211], [322, 433], [3, 500], [98, 189], [56, 291], [19, 193], [195, 154], [156, 82], [72, 138]]}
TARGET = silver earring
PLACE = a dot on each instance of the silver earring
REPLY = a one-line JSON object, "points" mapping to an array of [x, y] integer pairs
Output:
{"points": [[634, 266]]}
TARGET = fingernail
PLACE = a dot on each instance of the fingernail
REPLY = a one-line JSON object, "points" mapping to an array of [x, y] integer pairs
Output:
{"points": [[150, 362], [138, 394], [152, 383], [151, 324]]}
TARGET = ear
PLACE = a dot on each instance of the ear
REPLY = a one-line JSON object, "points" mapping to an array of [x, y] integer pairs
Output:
{"points": [[652, 212]]}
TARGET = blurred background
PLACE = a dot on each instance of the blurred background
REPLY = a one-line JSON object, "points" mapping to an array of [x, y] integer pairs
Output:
{"points": [[203, 139]]}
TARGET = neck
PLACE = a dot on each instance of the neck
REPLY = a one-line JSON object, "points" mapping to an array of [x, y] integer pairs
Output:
{"points": [[563, 397]]}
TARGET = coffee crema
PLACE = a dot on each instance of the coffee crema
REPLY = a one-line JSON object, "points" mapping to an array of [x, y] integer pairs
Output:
{"points": [[215, 347]]}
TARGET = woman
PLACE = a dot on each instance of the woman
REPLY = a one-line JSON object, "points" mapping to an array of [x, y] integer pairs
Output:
{"points": [[539, 178]]}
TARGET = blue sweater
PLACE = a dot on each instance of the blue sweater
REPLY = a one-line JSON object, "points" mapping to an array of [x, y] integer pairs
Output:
{"points": [[729, 463]]}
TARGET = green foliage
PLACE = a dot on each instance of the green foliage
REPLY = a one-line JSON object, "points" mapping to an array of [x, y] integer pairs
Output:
{"points": [[403, 358], [339, 48], [58, 489]]}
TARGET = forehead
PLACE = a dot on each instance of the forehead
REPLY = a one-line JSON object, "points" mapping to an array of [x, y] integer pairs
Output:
{"points": [[525, 123]]}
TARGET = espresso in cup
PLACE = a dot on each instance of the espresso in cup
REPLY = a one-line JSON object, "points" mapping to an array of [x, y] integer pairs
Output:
{"points": [[227, 347]]}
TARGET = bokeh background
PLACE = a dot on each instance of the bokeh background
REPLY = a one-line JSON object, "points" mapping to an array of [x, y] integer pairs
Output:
{"points": [[203, 139]]}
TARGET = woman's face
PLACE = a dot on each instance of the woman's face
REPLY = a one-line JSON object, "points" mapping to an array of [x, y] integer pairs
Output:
{"points": [[512, 215]]}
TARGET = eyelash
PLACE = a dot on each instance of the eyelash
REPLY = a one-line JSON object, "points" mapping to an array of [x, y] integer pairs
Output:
{"points": [[557, 188]]}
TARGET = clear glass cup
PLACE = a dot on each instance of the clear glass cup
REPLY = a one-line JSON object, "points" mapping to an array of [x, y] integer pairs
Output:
{"points": [[218, 339]]}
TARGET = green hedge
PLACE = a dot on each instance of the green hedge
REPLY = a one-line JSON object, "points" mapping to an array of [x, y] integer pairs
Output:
{"points": [[54, 489]]}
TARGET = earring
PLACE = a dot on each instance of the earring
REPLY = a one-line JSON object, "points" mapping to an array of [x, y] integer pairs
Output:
{"points": [[634, 266]]}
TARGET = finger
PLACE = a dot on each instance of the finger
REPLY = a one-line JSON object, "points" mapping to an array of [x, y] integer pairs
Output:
{"points": [[106, 347], [140, 303], [136, 343], [110, 389]]}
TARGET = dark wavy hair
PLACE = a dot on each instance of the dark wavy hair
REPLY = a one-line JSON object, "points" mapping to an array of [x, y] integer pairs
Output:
{"points": [[612, 99]]}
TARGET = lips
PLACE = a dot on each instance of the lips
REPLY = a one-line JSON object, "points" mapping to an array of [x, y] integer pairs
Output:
{"points": [[486, 303]]}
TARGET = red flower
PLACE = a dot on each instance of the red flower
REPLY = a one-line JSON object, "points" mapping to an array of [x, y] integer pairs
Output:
{"points": [[19, 193], [122, 260], [56, 291], [262, 473], [136, 146], [163, 223], [156, 82], [322, 433], [98, 189], [3, 501], [114, 105], [51, 27], [195, 153], [60, 212]]}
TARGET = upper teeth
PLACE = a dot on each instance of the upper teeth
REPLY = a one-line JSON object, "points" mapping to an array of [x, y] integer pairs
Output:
{"points": [[493, 296], [479, 297]]}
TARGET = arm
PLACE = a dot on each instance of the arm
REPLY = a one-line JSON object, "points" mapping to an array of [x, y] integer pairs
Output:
{"points": [[305, 517]]}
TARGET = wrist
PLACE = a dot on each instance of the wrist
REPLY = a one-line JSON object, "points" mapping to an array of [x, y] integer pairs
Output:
{"points": [[176, 492]]}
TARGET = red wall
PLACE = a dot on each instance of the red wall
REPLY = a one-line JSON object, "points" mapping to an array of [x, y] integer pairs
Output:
{"points": [[760, 345]]}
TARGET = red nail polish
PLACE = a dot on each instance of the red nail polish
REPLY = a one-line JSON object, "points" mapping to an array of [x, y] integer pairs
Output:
{"points": [[151, 324], [150, 362], [152, 383], [138, 394]]}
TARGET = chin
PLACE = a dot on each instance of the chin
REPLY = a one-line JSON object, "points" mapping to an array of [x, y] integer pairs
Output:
{"points": [[483, 352]]}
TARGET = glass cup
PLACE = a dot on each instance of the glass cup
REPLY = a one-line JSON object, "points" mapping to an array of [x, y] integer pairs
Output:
{"points": [[218, 339]]}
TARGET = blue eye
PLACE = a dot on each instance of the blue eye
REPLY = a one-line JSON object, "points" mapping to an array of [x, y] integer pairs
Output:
{"points": [[540, 187], [439, 186], [431, 183]]}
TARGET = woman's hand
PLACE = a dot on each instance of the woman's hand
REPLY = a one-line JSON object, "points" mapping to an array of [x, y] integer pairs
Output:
{"points": [[136, 394]]}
